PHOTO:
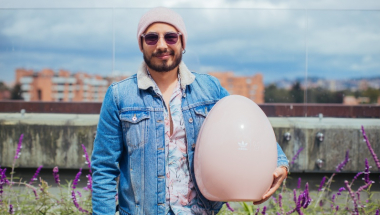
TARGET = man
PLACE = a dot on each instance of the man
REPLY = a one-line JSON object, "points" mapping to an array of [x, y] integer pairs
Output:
{"points": [[148, 129]]}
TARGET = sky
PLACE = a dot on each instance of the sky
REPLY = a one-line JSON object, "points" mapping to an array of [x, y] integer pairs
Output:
{"points": [[284, 39]]}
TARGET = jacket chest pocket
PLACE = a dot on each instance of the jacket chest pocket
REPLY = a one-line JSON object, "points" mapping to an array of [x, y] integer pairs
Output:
{"points": [[135, 125], [201, 112]]}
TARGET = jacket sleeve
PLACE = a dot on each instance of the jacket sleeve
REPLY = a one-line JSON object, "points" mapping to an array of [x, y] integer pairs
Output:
{"points": [[108, 146], [282, 160]]}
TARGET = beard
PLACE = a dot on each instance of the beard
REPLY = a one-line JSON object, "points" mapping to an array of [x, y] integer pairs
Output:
{"points": [[164, 65]]}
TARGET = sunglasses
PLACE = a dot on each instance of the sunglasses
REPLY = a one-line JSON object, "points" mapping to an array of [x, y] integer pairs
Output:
{"points": [[151, 39]]}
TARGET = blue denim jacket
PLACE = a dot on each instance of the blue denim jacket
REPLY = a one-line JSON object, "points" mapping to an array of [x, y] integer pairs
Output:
{"points": [[130, 142]]}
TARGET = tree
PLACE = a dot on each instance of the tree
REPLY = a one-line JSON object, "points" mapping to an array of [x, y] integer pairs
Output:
{"points": [[276, 95], [16, 93], [296, 93]]}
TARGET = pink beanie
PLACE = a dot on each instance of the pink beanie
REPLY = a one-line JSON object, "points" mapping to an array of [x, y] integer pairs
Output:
{"points": [[161, 14]]}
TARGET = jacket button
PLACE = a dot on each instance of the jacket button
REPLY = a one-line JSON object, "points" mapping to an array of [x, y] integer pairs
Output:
{"points": [[193, 146], [191, 120]]}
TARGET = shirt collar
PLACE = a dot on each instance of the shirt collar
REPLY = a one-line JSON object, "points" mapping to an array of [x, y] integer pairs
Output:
{"points": [[144, 81], [155, 87]]}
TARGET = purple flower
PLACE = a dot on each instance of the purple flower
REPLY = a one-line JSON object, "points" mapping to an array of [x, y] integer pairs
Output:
{"points": [[358, 194], [3, 178], [76, 202], [280, 200], [88, 162], [229, 207], [296, 156], [19, 146], [356, 177], [366, 172], [274, 199], [79, 194], [321, 203], [89, 182], [377, 212], [35, 193], [352, 195], [299, 183], [264, 210], [11, 209], [290, 212], [257, 211], [340, 191], [306, 200], [333, 198], [341, 165], [280, 203], [34, 178], [322, 183], [364, 186], [298, 204], [371, 149], [56, 175], [76, 179], [337, 208]]}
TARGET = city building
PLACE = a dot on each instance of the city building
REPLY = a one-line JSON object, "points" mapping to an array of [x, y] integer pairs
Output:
{"points": [[47, 85], [251, 87], [351, 100]]}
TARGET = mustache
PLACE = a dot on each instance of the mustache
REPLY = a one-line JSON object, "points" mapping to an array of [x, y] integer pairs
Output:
{"points": [[160, 53]]}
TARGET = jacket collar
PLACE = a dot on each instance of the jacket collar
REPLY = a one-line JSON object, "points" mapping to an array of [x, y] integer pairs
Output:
{"points": [[144, 82]]}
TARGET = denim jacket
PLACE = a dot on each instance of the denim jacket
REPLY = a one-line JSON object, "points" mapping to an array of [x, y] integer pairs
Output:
{"points": [[130, 142]]}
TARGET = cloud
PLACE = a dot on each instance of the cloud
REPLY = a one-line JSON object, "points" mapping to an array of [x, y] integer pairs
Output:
{"points": [[242, 4], [242, 36]]}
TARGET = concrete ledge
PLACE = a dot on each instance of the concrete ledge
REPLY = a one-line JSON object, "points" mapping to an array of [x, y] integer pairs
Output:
{"points": [[55, 139]]}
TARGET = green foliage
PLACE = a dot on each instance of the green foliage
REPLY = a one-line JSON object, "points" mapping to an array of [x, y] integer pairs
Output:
{"points": [[315, 95], [16, 93], [3, 87], [370, 204], [27, 198], [25, 201]]}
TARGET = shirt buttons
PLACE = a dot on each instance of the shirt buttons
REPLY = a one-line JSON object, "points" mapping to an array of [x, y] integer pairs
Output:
{"points": [[191, 120], [193, 146]]}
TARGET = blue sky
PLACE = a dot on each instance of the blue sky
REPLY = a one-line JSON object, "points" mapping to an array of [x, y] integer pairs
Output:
{"points": [[280, 39]]}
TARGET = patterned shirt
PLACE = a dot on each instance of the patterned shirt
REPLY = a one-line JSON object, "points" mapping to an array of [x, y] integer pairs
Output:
{"points": [[180, 191]]}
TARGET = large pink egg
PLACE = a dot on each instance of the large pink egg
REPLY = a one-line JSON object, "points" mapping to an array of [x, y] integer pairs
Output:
{"points": [[236, 152]]}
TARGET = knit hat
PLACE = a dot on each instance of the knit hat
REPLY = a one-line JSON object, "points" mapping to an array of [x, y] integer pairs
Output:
{"points": [[161, 14]]}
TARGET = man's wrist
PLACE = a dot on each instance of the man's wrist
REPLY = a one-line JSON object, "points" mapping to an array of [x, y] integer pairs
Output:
{"points": [[286, 169]]}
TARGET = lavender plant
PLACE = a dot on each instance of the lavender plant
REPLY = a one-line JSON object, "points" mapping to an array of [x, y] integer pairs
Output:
{"points": [[36, 198], [286, 201]]}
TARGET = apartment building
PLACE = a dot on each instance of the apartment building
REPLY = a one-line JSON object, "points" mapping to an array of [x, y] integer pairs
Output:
{"points": [[249, 86], [47, 85]]}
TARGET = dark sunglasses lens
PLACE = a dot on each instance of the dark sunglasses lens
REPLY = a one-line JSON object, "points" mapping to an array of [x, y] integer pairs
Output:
{"points": [[151, 39], [171, 38]]}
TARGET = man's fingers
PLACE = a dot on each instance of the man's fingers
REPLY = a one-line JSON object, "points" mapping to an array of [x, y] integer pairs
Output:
{"points": [[278, 176]]}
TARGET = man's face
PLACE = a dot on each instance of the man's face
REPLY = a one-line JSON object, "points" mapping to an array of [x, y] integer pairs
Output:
{"points": [[162, 57]]}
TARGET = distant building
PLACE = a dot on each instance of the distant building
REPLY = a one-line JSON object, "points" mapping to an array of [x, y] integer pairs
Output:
{"points": [[5, 93], [249, 86], [46, 85], [351, 100]]}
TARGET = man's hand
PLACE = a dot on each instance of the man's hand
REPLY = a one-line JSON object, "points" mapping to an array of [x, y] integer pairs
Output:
{"points": [[279, 175]]}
